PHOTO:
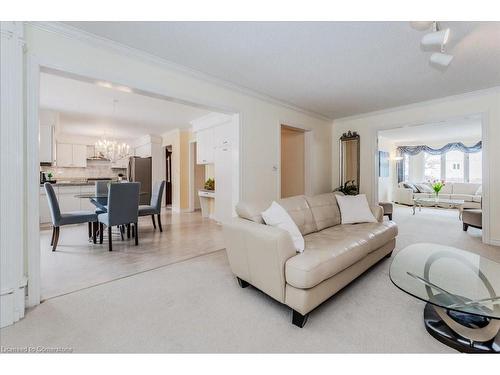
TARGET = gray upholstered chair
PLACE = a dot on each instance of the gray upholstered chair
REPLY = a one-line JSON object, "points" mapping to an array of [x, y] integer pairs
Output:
{"points": [[154, 208], [123, 209], [59, 219]]}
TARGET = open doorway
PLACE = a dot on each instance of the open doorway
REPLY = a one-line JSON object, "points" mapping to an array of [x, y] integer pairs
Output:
{"points": [[168, 176], [293, 161], [434, 171]]}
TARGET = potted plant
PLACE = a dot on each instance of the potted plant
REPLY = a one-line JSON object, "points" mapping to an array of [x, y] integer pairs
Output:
{"points": [[437, 186], [209, 184], [49, 176], [349, 188]]}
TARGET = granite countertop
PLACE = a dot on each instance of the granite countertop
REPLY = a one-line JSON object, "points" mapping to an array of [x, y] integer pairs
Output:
{"points": [[77, 183]]}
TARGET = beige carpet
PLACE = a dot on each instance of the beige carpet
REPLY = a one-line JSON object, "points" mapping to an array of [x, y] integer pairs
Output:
{"points": [[196, 306]]}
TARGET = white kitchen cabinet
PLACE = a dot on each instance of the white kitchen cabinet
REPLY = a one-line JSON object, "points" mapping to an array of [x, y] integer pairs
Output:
{"points": [[64, 156], [46, 145], [205, 146], [71, 155], [67, 199], [223, 184], [44, 206], [223, 135], [79, 156]]}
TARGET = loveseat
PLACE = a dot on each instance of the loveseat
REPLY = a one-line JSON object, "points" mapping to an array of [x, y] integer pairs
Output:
{"points": [[335, 254], [469, 192]]}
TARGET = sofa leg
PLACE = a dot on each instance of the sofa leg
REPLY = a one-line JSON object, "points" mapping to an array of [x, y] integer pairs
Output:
{"points": [[389, 255], [298, 319], [465, 227], [242, 283]]}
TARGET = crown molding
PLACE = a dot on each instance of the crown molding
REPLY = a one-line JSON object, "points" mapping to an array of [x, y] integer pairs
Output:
{"points": [[470, 94], [122, 49]]}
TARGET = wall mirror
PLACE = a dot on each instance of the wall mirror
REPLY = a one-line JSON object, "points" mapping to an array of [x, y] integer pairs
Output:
{"points": [[349, 158]]}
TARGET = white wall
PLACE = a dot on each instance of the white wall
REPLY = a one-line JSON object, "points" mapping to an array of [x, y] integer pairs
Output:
{"points": [[260, 119], [486, 102]]}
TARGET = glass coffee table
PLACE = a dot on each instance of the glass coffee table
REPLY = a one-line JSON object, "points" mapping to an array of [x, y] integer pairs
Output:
{"points": [[461, 290], [430, 202]]}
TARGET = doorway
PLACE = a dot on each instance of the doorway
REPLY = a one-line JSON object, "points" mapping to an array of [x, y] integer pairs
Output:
{"points": [[293, 161], [168, 176]]}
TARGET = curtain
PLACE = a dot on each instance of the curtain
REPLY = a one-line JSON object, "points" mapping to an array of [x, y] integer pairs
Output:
{"points": [[459, 146], [400, 166]]}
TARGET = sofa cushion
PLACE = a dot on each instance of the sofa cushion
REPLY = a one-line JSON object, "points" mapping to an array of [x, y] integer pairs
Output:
{"points": [[300, 212], [465, 188], [422, 195], [334, 249], [322, 259], [376, 234], [476, 198], [251, 211], [424, 187], [325, 210], [465, 197]]}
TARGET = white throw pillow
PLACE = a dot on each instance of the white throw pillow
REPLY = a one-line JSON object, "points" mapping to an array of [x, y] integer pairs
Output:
{"points": [[479, 191], [424, 188], [355, 209], [277, 216]]}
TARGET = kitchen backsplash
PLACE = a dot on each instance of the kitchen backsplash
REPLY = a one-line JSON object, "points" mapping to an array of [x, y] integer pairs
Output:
{"points": [[94, 169]]}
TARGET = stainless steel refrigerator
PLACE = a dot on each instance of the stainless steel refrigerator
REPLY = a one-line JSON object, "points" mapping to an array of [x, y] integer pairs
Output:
{"points": [[140, 170]]}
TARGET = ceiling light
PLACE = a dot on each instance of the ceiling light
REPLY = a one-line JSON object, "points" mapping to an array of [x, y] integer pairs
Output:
{"points": [[421, 25], [104, 84], [441, 59], [436, 38]]}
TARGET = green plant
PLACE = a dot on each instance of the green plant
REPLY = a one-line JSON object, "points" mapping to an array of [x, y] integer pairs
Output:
{"points": [[50, 175], [209, 184], [437, 186], [349, 188]]}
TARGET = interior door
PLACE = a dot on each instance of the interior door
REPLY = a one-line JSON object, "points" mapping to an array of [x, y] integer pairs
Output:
{"points": [[168, 174]]}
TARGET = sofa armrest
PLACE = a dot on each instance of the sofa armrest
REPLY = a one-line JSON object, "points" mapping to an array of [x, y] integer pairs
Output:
{"points": [[404, 196], [257, 253], [378, 212]]}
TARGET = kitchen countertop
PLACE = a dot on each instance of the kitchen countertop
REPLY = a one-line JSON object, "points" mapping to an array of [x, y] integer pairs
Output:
{"points": [[77, 183]]}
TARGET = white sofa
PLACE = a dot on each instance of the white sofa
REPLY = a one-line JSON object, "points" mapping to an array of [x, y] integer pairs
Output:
{"points": [[457, 190]]}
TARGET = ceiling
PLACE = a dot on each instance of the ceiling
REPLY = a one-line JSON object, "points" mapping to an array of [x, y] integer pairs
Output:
{"points": [[88, 108], [456, 130], [335, 69]]}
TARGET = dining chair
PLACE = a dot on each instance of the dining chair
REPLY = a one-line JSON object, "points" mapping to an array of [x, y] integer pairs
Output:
{"points": [[59, 219], [123, 209], [154, 208]]}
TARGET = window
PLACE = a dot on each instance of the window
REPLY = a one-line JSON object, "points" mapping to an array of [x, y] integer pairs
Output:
{"points": [[476, 167], [432, 167], [455, 171]]}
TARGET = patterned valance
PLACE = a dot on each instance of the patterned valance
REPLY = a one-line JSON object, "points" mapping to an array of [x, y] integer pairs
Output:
{"points": [[414, 150]]}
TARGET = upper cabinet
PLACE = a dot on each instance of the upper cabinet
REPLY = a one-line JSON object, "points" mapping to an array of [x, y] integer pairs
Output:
{"points": [[46, 150], [71, 155], [205, 144], [223, 135]]}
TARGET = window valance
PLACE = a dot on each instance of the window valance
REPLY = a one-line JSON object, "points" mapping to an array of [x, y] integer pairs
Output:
{"points": [[459, 146]]}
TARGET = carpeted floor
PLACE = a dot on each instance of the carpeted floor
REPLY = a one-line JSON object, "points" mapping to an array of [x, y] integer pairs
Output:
{"points": [[197, 306]]}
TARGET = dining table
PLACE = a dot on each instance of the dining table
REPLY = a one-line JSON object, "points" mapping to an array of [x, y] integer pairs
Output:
{"points": [[101, 202]]}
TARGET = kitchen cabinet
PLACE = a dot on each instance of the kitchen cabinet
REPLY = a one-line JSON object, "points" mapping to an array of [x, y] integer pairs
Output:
{"points": [[46, 145], [44, 210], [223, 135], [223, 184], [120, 163], [205, 146], [71, 155]]}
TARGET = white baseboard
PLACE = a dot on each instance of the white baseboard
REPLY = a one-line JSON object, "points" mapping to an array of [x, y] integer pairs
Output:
{"points": [[493, 242], [12, 307]]}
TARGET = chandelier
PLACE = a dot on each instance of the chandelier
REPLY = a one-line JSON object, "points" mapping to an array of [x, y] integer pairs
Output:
{"points": [[110, 149]]}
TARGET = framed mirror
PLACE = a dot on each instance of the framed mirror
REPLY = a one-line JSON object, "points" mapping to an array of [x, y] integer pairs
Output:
{"points": [[349, 158]]}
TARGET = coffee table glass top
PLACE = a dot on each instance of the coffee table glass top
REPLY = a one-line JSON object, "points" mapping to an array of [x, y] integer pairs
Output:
{"points": [[450, 278], [439, 200]]}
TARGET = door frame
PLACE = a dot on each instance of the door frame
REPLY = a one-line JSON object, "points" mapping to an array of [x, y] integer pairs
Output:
{"points": [[484, 118], [34, 67], [166, 175], [308, 137]]}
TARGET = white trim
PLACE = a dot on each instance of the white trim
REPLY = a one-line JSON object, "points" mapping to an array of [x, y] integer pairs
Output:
{"points": [[13, 164], [95, 40], [443, 99], [192, 162]]}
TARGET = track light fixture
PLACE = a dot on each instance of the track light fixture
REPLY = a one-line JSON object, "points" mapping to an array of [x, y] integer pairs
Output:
{"points": [[435, 39]]}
